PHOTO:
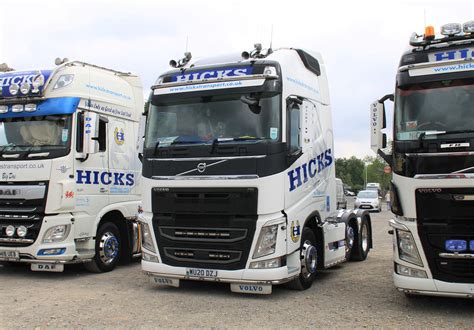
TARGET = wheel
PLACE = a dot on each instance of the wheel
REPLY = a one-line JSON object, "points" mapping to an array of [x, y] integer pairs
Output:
{"points": [[107, 249], [360, 249], [309, 261], [351, 230]]}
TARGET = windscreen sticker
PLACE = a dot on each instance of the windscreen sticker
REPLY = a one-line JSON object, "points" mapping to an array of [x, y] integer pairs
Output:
{"points": [[65, 135], [273, 133], [411, 124]]}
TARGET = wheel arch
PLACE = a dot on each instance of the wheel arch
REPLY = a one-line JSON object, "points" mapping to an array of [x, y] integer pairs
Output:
{"points": [[118, 219], [313, 221]]}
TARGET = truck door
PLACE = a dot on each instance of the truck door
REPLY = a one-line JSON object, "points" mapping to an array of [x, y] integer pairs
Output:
{"points": [[91, 174], [123, 159]]}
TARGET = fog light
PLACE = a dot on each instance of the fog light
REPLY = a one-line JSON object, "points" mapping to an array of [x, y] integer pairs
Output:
{"points": [[25, 88], [468, 27], [411, 272], [10, 231], [149, 257], [13, 89], [51, 252], [21, 231], [3, 108], [265, 264], [451, 29], [17, 108]]}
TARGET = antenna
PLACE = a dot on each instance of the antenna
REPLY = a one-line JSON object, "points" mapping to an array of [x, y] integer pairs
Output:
{"points": [[271, 37]]}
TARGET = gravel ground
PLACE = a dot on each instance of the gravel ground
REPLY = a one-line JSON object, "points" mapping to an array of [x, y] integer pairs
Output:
{"points": [[355, 294]]}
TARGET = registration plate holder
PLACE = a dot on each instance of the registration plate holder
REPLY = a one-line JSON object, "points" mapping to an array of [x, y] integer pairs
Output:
{"points": [[201, 273], [9, 255], [47, 267]]}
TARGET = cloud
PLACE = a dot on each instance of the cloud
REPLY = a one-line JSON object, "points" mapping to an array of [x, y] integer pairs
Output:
{"points": [[361, 41]]}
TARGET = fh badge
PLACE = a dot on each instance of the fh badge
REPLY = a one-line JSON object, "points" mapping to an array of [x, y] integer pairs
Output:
{"points": [[295, 231]]}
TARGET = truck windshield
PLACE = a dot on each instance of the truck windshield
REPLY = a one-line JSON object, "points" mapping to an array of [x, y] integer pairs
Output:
{"points": [[35, 134], [246, 118], [442, 106]]}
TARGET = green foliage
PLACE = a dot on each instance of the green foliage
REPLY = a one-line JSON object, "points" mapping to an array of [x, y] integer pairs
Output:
{"points": [[352, 171]]}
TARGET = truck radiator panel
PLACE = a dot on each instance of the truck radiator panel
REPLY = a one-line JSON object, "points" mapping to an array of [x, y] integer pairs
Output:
{"points": [[205, 227], [444, 214]]}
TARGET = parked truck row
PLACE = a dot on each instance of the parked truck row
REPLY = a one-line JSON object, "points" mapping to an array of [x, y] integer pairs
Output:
{"points": [[232, 177]]}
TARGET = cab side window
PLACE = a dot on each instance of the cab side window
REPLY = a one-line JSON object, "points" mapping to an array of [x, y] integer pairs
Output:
{"points": [[295, 129]]}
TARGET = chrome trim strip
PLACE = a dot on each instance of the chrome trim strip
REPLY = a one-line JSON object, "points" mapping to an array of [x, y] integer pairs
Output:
{"points": [[16, 240], [397, 225], [436, 293], [207, 177], [213, 80], [22, 192], [457, 255], [437, 154], [205, 167], [215, 279], [204, 158]]}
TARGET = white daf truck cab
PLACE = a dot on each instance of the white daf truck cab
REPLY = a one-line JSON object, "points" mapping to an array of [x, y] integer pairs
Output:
{"points": [[69, 167], [432, 160], [238, 174]]}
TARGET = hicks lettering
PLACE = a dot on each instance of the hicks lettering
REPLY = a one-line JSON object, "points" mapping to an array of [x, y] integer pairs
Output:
{"points": [[303, 173], [105, 178]]}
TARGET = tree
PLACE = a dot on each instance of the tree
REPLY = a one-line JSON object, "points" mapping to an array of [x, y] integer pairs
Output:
{"points": [[351, 172]]}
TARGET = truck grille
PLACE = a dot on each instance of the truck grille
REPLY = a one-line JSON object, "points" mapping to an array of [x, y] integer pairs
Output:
{"points": [[442, 215], [205, 227], [26, 210]]}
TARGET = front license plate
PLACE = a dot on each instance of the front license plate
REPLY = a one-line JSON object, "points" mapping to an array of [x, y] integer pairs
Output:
{"points": [[10, 255], [165, 281], [365, 207], [199, 272], [57, 268], [251, 288]]}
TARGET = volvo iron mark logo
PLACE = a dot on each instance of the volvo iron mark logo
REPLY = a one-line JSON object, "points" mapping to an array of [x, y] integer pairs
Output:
{"points": [[201, 167]]}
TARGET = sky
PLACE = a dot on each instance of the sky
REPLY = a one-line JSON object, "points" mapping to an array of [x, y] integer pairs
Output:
{"points": [[361, 41]]}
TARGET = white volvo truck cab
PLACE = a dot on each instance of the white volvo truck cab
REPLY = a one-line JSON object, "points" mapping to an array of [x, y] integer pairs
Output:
{"points": [[69, 167], [238, 174], [432, 160]]}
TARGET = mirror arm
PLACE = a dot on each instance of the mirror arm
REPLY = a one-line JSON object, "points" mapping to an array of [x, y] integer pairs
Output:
{"points": [[387, 97], [387, 158]]}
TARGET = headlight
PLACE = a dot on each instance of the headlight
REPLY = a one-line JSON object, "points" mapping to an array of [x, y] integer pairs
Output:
{"points": [[270, 71], [266, 241], [18, 108], [56, 234], [3, 108], [147, 240], [64, 80], [407, 250]]}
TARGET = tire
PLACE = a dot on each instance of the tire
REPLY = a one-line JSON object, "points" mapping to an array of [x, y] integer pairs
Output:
{"points": [[361, 242], [351, 231], [108, 246], [309, 256]]}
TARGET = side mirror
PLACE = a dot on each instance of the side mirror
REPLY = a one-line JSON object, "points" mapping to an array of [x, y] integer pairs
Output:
{"points": [[141, 137], [91, 133], [377, 123]]}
